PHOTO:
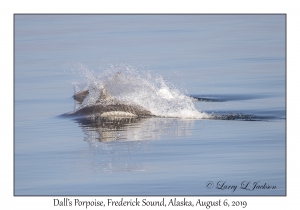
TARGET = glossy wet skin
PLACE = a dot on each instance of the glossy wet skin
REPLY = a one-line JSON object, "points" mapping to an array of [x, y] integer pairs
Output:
{"points": [[81, 95], [103, 107], [214, 57]]}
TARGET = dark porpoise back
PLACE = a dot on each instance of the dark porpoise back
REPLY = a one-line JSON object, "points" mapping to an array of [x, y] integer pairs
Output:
{"points": [[107, 106], [81, 95], [113, 109]]}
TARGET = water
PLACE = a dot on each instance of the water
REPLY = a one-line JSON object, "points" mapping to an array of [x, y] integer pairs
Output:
{"points": [[215, 83]]}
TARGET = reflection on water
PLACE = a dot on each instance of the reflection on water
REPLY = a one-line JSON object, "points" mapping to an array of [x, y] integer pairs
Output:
{"points": [[133, 129], [232, 65], [118, 145]]}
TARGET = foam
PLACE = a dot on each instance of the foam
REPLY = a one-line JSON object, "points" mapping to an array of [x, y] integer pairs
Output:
{"points": [[126, 84]]}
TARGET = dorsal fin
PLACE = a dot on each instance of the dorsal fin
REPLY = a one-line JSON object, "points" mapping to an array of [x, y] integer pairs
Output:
{"points": [[104, 95]]}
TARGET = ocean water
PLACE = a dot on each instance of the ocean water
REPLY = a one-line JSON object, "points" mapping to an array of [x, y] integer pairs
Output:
{"points": [[215, 83]]}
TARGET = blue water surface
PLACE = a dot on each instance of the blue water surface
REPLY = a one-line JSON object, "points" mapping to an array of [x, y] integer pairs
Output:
{"points": [[234, 65]]}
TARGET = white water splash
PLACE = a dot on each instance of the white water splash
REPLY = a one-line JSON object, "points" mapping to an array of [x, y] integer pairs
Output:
{"points": [[130, 86]]}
